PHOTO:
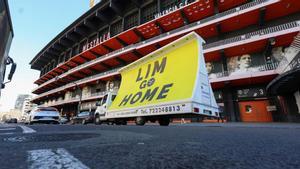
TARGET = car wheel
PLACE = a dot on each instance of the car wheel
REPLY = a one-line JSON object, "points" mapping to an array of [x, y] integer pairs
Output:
{"points": [[140, 121]]}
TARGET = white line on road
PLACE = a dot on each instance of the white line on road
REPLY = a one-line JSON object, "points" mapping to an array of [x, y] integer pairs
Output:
{"points": [[8, 129], [27, 129], [58, 158], [6, 133]]}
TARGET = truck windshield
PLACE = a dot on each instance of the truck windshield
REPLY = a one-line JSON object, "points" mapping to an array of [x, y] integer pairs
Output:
{"points": [[113, 97], [104, 99]]}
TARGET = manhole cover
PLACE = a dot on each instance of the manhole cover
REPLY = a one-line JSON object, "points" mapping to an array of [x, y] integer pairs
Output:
{"points": [[51, 137]]}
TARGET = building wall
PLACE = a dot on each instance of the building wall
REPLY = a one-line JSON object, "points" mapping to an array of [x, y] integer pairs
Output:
{"points": [[20, 101]]}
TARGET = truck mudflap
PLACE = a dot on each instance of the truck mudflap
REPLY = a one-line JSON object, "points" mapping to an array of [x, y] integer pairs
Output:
{"points": [[170, 80]]}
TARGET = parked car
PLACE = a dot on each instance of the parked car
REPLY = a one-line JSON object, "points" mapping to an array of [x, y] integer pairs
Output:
{"points": [[11, 120], [43, 115], [83, 117]]}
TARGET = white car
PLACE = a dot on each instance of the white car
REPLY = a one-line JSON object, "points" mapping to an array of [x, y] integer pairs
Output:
{"points": [[43, 114]]}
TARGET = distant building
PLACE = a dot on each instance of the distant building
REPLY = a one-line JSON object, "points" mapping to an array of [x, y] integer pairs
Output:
{"points": [[6, 35], [27, 105], [20, 100], [13, 113]]}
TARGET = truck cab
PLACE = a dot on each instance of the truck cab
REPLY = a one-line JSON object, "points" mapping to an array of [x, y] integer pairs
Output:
{"points": [[102, 106]]}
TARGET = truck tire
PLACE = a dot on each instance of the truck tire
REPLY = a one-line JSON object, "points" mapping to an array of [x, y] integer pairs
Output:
{"points": [[140, 121], [97, 120], [164, 121]]}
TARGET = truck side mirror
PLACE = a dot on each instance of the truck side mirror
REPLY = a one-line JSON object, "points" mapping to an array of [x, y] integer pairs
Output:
{"points": [[12, 71]]}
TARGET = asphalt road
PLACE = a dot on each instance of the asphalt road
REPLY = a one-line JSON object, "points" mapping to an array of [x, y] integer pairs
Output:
{"points": [[152, 146]]}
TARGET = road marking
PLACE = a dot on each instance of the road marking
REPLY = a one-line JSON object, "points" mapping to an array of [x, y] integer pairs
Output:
{"points": [[6, 133], [16, 139], [8, 129], [58, 158], [27, 129]]}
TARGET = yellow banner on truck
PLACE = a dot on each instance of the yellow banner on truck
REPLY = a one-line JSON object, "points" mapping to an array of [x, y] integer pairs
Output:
{"points": [[165, 79]]}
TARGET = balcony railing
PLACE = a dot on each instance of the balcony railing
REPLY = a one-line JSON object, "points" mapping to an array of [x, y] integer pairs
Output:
{"points": [[260, 68], [76, 99], [78, 82], [295, 24]]}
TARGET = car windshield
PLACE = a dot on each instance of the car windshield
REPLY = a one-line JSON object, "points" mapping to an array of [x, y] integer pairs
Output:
{"points": [[85, 113]]}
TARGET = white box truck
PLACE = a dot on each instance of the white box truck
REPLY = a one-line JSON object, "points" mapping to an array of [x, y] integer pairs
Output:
{"points": [[171, 82]]}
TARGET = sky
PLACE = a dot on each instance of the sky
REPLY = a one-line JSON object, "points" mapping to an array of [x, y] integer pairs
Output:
{"points": [[35, 24]]}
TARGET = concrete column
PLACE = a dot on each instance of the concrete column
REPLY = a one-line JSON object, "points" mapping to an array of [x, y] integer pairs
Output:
{"points": [[229, 105]]}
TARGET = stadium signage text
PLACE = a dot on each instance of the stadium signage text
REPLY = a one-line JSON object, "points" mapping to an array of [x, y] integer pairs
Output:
{"points": [[96, 42], [171, 9]]}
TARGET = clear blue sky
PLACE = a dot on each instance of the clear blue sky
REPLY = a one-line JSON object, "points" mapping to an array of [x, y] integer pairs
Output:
{"points": [[35, 23]]}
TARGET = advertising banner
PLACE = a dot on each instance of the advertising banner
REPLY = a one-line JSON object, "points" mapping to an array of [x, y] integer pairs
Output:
{"points": [[162, 77], [245, 63], [213, 69]]}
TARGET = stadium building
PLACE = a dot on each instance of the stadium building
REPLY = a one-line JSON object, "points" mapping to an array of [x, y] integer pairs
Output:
{"points": [[246, 40]]}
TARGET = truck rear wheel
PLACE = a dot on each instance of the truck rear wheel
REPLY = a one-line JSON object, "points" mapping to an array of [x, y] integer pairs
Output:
{"points": [[140, 121], [164, 121]]}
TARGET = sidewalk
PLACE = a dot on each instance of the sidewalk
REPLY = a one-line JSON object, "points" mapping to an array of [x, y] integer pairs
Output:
{"points": [[244, 125]]}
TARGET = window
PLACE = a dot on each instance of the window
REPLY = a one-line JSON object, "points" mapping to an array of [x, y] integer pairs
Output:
{"points": [[103, 33], [82, 44], [104, 99], [75, 50], [131, 20], [113, 97], [116, 28], [148, 12], [167, 4], [93, 37], [248, 109], [68, 55]]}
